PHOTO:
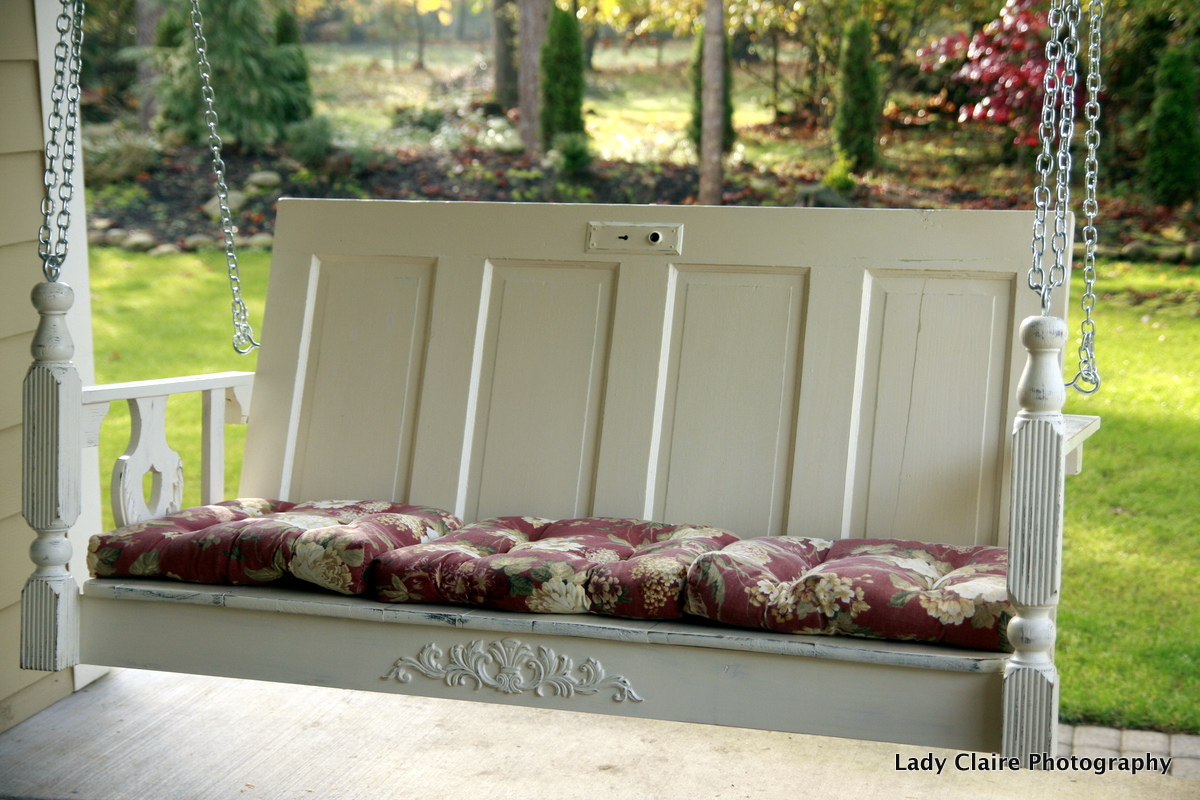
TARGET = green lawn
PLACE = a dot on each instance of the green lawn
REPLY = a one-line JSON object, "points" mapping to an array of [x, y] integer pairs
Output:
{"points": [[1129, 647], [1129, 650]]}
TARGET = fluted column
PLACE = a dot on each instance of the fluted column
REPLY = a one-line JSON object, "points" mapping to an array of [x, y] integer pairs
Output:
{"points": [[51, 481], [1031, 686]]}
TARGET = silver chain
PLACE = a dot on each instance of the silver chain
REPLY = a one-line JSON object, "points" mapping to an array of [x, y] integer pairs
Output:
{"points": [[1087, 379], [1058, 123], [64, 119], [243, 334]]}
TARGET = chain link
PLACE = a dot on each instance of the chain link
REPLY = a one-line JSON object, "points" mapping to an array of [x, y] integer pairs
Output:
{"points": [[243, 333], [63, 119], [1060, 86], [1087, 379]]}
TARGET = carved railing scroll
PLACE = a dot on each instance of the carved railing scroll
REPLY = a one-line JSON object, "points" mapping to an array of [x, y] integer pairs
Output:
{"points": [[226, 400], [51, 481]]}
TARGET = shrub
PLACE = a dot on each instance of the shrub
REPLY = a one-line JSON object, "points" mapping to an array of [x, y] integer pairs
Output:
{"points": [[260, 87], [856, 118], [115, 153], [562, 77], [287, 28], [573, 147], [696, 72], [1172, 167], [840, 177], [311, 142]]}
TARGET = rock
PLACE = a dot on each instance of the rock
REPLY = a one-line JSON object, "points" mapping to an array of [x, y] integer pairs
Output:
{"points": [[818, 195], [100, 223], [236, 201], [199, 241], [1137, 251], [263, 241], [1171, 255], [115, 236], [165, 249], [1191, 253], [96, 238], [139, 242], [265, 179]]}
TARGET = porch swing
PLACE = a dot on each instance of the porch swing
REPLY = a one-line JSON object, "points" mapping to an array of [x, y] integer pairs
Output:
{"points": [[780, 385]]}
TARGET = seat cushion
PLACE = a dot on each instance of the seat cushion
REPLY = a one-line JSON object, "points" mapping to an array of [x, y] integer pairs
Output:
{"points": [[880, 588], [329, 543], [619, 567]]}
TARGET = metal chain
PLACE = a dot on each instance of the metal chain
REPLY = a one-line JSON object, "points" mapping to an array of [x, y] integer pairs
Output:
{"points": [[243, 333], [1087, 379], [1058, 122], [1044, 165], [63, 118]]}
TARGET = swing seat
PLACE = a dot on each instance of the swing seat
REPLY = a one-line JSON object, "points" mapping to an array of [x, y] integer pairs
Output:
{"points": [[793, 377], [878, 588]]}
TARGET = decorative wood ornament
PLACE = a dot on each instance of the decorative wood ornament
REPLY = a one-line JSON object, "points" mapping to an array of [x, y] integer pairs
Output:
{"points": [[510, 666], [1031, 684], [50, 493], [148, 452]]}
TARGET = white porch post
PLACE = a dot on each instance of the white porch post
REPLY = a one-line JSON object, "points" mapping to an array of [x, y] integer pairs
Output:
{"points": [[51, 486], [1031, 684]]}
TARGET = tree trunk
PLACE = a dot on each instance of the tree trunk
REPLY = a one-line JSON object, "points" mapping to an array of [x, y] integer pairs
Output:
{"points": [[504, 44], [712, 92], [419, 62], [533, 18], [148, 12], [460, 20]]}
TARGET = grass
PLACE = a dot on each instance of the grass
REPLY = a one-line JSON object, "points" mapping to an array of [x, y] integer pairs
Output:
{"points": [[1128, 650], [1130, 611], [167, 316]]}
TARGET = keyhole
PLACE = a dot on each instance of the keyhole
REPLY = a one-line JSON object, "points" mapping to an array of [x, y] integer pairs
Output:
{"points": [[624, 237]]}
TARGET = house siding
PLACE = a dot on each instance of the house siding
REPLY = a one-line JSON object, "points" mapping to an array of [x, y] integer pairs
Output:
{"points": [[22, 693]]}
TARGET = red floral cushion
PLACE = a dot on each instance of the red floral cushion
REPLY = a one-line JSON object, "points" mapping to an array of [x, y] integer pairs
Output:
{"points": [[618, 567], [880, 588], [330, 543]]}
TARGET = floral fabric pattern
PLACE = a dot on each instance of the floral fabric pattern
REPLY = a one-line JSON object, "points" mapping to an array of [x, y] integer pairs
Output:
{"points": [[878, 588], [616, 567], [330, 543]]}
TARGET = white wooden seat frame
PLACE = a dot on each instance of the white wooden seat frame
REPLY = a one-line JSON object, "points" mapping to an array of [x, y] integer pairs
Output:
{"points": [[825, 373]]}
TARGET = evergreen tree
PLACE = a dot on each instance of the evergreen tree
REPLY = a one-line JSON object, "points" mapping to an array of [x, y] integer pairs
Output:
{"points": [[260, 87], [856, 117], [1172, 163], [696, 72], [562, 81]]}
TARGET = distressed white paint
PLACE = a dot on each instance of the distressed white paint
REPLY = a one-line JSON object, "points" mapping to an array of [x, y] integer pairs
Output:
{"points": [[51, 474], [1031, 679]]}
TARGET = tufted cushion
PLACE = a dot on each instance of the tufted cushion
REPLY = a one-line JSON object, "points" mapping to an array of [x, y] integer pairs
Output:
{"points": [[618, 567], [330, 543], [880, 588]]}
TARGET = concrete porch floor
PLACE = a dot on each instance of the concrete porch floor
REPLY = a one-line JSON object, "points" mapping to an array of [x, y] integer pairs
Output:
{"points": [[134, 735]]}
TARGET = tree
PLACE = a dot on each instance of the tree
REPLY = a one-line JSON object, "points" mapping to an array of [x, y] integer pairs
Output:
{"points": [[532, 17], [562, 77], [1004, 69], [1172, 166], [714, 85], [504, 48], [856, 120], [696, 71], [260, 87]]}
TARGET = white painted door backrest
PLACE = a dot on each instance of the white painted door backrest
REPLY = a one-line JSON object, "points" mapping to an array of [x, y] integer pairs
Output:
{"points": [[787, 371]]}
